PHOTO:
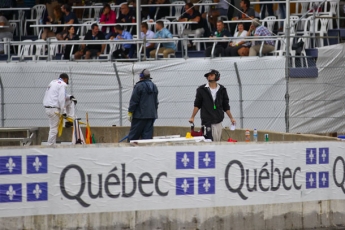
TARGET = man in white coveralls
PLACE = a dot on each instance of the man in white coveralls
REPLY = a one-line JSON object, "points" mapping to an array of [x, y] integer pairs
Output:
{"points": [[56, 101]]}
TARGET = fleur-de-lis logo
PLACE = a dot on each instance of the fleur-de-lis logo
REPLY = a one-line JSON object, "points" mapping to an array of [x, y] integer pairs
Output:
{"points": [[37, 164], [10, 193], [10, 165], [37, 191]]}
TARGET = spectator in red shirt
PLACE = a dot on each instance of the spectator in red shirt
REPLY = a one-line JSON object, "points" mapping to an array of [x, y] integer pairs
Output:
{"points": [[108, 17]]}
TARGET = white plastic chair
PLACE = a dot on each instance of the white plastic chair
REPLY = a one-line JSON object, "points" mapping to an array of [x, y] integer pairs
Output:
{"points": [[37, 12], [85, 27], [304, 8], [97, 10], [323, 30], [24, 51], [6, 50], [331, 9], [115, 9], [178, 8], [14, 27], [40, 49], [206, 8], [282, 49], [269, 22]]}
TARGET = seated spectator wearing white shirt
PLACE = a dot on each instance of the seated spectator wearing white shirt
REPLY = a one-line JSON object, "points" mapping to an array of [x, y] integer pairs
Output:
{"points": [[236, 44], [147, 34]]}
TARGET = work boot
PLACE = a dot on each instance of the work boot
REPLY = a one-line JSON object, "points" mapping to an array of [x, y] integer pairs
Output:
{"points": [[68, 124]]}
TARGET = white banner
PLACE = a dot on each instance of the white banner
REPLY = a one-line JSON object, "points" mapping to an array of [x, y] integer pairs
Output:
{"points": [[42, 181]]}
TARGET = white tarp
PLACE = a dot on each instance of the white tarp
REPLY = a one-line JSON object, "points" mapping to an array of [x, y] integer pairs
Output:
{"points": [[98, 92], [317, 105], [43, 181]]}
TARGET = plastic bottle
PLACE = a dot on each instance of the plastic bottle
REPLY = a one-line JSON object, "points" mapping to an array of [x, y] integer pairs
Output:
{"points": [[247, 136], [255, 135]]}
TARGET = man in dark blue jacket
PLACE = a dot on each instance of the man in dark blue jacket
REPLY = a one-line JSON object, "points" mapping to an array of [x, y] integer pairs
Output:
{"points": [[142, 111], [213, 100]]}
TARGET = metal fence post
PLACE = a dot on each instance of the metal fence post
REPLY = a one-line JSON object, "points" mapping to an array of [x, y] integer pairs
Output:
{"points": [[120, 91], [240, 94], [2, 103], [71, 79], [287, 67], [48, 41]]}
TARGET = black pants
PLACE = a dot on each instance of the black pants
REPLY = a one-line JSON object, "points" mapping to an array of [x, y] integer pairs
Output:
{"points": [[232, 51], [218, 50], [121, 53], [141, 128]]}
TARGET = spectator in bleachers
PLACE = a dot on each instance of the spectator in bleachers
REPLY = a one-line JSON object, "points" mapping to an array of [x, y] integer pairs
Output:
{"points": [[148, 34], [108, 16], [260, 31], [220, 10], [269, 9], [57, 18], [126, 14], [163, 11], [247, 13], [221, 46], [92, 50], [166, 48], [145, 11], [5, 32], [71, 36], [192, 15], [126, 50], [69, 18], [236, 44]]}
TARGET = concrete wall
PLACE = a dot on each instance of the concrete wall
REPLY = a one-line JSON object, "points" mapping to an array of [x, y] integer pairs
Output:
{"points": [[308, 215], [114, 134]]}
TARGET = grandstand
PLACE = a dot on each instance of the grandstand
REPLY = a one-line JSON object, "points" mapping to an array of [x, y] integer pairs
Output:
{"points": [[317, 28]]}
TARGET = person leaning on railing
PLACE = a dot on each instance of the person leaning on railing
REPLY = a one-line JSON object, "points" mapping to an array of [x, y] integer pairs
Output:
{"points": [[168, 48], [92, 50], [126, 50], [260, 31], [221, 45], [193, 15]]}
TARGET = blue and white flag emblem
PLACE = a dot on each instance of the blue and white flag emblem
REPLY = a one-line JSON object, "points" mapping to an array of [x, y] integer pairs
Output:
{"points": [[185, 186], [206, 185], [10, 193], [37, 191], [184, 160], [207, 160], [310, 180], [10, 165], [37, 164]]}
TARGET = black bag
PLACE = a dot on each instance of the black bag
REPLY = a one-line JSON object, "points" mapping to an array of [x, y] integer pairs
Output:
{"points": [[298, 47]]}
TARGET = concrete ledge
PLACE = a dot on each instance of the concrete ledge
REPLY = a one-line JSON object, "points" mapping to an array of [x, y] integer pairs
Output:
{"points": [[114, 134], [307, 215]]}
